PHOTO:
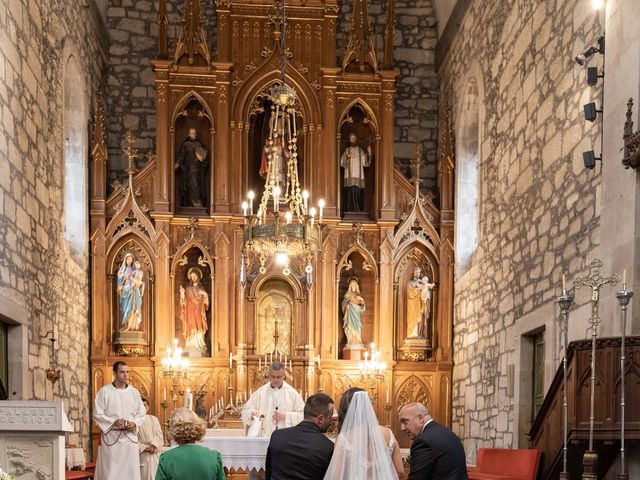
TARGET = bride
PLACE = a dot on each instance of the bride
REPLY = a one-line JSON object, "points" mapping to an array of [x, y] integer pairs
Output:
{"points": [[364, 450]]}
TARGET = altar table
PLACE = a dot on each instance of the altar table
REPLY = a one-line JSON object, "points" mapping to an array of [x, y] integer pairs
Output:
{"points": [[239, 453]]}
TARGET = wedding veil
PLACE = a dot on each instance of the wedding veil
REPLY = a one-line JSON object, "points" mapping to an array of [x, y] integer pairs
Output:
{"points": [[360, 452]]}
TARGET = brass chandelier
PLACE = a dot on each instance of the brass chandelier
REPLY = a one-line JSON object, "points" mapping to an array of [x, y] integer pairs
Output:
{"points": [[284, 227]]}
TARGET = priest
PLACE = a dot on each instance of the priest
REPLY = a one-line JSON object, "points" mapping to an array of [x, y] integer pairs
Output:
{"points": [[276, 403], [119, 412]]}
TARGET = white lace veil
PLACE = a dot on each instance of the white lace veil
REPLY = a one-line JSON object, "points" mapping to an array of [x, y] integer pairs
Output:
{"points": [[360, 452]]}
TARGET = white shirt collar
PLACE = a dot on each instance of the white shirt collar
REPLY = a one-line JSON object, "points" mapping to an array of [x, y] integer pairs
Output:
{"points": [[425, 425]]}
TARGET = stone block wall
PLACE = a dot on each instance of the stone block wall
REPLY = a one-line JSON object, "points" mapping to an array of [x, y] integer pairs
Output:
{"points": [[37, 270], [416, 105], [538, 206]]}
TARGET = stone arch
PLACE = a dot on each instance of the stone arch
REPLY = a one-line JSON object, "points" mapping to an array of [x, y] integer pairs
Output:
{"points": [[76, 151], [468, 155]]}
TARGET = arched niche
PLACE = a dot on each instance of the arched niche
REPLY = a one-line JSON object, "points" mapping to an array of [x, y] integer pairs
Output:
{"points": [[131, 280], [407, 294], [266, 293], [192, 286], [260, 120], [357, 119], [193, 177], [358, 264]]}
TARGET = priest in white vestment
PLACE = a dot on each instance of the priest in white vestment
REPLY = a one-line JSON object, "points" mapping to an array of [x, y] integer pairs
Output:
{"points": [[151, 441], [279, 403], [118, 412]]}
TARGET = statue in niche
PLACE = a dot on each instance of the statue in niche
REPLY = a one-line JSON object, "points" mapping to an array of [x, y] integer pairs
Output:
{"points": [[419, 292], [130, 289], [194, 304], [354, 160], [192, 163], [352, 308], [279, 154]]}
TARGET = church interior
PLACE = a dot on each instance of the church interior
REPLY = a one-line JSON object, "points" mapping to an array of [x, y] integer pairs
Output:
{"points": [[433, 200]]}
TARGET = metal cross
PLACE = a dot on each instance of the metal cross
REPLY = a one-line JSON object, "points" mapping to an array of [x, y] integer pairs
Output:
{"points": [[595, 281]]}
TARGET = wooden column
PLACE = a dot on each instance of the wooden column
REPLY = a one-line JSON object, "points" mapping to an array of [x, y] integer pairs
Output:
{"points": [[164, 172], [327, 165], [386, 209], [220, 198]]}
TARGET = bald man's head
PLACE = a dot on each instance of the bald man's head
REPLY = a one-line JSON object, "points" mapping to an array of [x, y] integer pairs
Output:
{"points": [[413, 417]]}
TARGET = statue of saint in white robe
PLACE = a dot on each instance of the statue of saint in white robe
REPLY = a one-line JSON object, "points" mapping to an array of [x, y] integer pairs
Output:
{"points": [[118, 456], [266, 399], [149, 435]]}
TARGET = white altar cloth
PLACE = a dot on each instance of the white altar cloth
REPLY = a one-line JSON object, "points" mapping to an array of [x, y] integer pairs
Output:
{"points": [[239, 453]]}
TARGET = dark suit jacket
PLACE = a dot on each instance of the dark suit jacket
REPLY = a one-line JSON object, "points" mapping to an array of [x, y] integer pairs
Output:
{"points": [[298, 453], [437, 454]]}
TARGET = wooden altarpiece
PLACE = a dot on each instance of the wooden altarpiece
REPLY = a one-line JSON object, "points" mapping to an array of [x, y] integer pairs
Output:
{"points": [[222, 100]]}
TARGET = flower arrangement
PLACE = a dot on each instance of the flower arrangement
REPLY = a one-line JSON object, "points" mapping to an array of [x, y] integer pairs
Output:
{"points": [[6, 476], [53, 375]]}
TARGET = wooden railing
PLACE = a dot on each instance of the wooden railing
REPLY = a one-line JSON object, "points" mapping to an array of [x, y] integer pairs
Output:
{"points": [[546, 431]]}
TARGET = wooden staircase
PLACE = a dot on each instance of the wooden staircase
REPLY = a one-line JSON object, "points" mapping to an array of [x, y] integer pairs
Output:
{"points": [[546, 431]]}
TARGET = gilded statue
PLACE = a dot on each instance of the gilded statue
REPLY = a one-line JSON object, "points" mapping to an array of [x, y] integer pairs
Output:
{"points": [[419, 293]]}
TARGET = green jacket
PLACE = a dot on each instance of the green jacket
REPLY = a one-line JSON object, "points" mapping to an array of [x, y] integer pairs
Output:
{"points": [[190, 462]]}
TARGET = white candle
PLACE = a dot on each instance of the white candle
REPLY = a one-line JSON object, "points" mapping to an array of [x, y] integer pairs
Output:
{"points": [[230, 360], [318, 361], [305, 199], [564, 283], [244, 208], [270, 358], [624, 276], [290, 368], [245, 396], [321, 205], [251, 195], [164, 394]]}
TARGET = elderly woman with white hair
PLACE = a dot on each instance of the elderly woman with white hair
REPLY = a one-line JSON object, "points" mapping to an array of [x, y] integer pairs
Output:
{"points": [[189, 461]]}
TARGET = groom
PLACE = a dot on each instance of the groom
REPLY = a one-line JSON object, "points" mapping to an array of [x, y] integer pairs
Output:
{"points": [[302, 452], [436, 453]]}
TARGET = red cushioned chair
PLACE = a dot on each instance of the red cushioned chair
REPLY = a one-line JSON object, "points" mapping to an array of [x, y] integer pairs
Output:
{"points": [[505, 464]]}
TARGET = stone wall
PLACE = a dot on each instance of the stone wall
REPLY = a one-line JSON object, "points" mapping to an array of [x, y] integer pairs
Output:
{"points": [[37, 271], [133, 39], [538, 214], [416, 105]]}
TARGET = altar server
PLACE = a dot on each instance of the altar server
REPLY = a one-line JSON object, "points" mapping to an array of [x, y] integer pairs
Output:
{"points": [[119, 412], [276, 404]]}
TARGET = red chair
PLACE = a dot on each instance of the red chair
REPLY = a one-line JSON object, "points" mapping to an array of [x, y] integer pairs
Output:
{"points": [[505, 464], [77, 474]]}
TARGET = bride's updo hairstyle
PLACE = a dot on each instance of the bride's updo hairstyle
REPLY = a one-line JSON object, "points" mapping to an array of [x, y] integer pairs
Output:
{"points": [[344, 404]]}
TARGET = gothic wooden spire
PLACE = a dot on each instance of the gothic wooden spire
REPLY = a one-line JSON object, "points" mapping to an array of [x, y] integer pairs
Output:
{"points": [[163, 23], [360, 50], [192, 41], [99, 152], [389, 35]]}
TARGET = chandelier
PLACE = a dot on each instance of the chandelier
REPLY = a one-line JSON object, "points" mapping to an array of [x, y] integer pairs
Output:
{"points": [[283, 226], [372, 367]]}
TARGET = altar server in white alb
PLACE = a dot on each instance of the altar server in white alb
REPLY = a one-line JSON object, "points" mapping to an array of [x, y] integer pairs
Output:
{"points": [[119, 412], [279, 403]]}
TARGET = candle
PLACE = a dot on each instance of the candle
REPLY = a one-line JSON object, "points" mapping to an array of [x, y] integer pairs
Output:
{"points": [[270, 358], [318, 361], [290, 366], [244, 208], [251, 195], [564, 283], [245, 396], [305, 199], [230, 361], [164, 394], [321, 205], [624, 276], [387, 395]]}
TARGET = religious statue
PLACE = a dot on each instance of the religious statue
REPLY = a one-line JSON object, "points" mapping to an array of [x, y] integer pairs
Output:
{"points": [[192, 162], [354, 160], [279, 156], [418, 304], [130, 289], [188, 399], [194, 303], [352, 308]]}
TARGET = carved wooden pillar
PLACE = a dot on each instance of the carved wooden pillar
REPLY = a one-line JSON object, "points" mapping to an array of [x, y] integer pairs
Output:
{"points": [[222, 319], [223, 13], [386, 333], [327, 165], [164, 294], [163, 155], [220, 200], [163, 23], [385, 176], [100, 338], [325, 299], [331, 9]]}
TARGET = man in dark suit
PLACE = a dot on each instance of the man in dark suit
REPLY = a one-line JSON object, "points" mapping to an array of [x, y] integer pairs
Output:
{"points": [[436, 452], [302, 452]]}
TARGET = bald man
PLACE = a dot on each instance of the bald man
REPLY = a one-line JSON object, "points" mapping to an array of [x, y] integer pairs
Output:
{"points": [[436, 452]]}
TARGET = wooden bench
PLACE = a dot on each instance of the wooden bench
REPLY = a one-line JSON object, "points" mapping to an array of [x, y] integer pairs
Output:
{"points": [[505, 464]]}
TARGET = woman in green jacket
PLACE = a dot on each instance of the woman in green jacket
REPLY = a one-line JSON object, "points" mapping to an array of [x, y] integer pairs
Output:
{"points": [[189, 461]]}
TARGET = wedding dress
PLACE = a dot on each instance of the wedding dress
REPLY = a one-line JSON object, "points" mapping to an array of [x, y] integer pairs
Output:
{"points": [[360, 452]]}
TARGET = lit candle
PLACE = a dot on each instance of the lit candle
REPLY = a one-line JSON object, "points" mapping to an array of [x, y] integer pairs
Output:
{"points": [[245, 396], [321, 205], [276, 198], [564, 284], [288, 216], [318, 361], [290, 366], [312, 212], [230, 360], [251, 195], [244, 208], [305, 199], [164, 394]]}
